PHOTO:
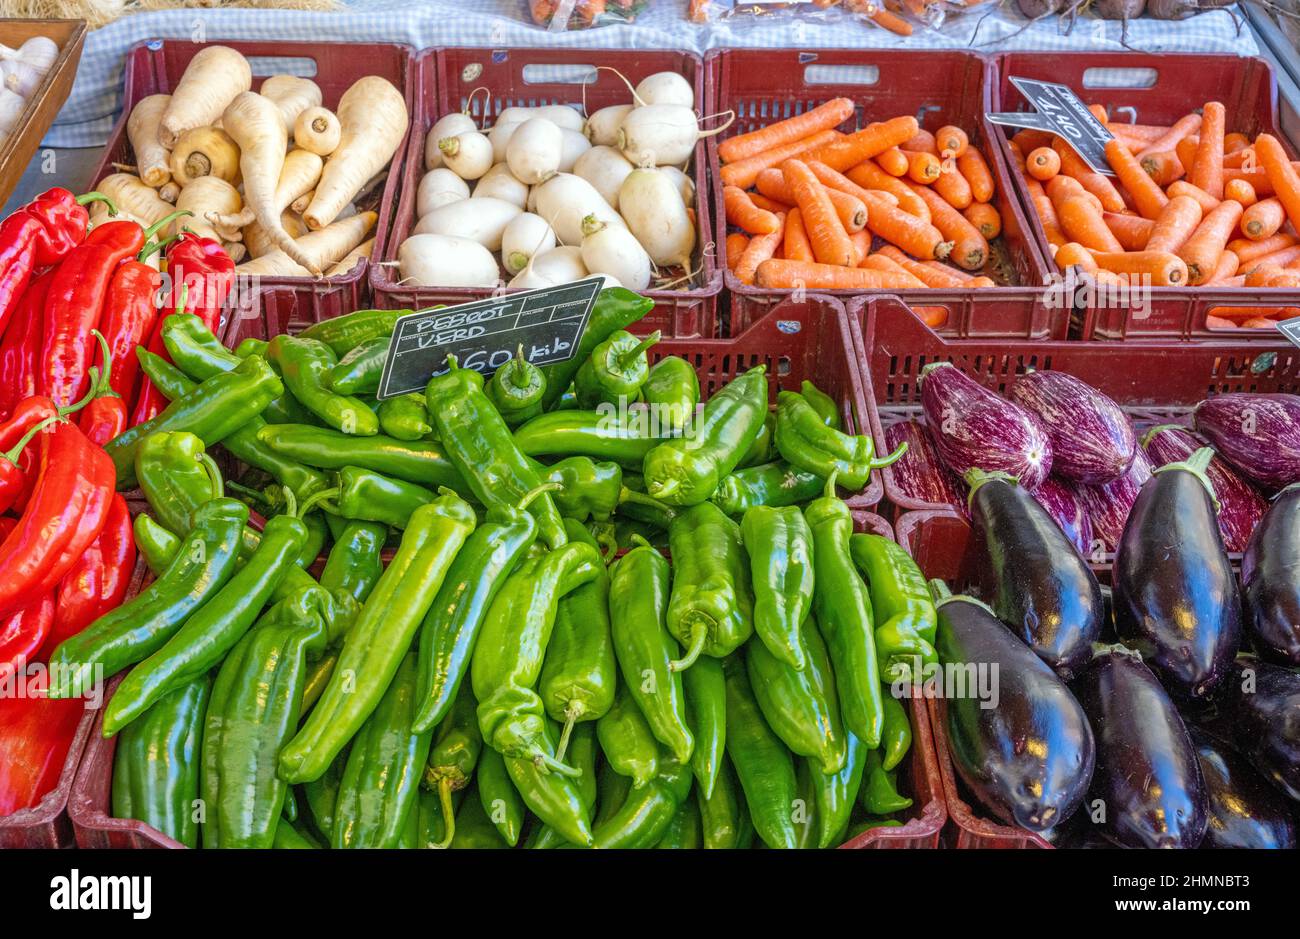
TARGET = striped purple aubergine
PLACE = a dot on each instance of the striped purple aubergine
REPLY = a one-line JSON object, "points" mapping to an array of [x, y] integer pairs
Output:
{"points": [[1108, 505], [1066, 508], [1259, 434], [975, 428], [919, 475], [1092, 439], [1240, 504]]}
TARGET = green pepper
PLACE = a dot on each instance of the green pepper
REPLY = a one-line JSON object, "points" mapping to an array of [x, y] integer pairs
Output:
{"points": [[358, 370], [454, 757], [508, 658], [867, 824], [896, 739], [836, 794], [156, 764], [804, 814], [304, 365], [170, 467], [417, 461], [364, 495], [712, 607], [822, 403], [763, 765], [706, 713], [684, 832], [901, 603], [879, 794], [251, 346], [775, 484], [498, 798], [638, 599], [382, 777], [761, 450], [475, 829], [587, 489], [517, 389], [204, 563], [318, 536], [612, 790], [552, 796], [255, 705], [672, 390], [595, 434], [344, 333], [289, 837], [156, 544], [615, 371], [579, 672], [322, 795], [625, 739], [645, 815], [800, 707], [843, 610], [212, 411], [722, 813], [615, 308], [355, 561], [686, 470], [582, 757], [479, 444], [404, 417], [807, 443], [780, 551], [373, 647]]}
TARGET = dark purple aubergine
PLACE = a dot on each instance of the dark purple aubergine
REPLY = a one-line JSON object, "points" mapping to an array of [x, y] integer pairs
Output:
{"points": [[920, 475], [1108, 506], [1240, 504], [1244, 810], [1270, 571], [974, 428], [1041, 586], [1265, 706], [1092, 439], [1176, 597], [1148, 780], [1066, 508], [1258, 434], [1027, 755]]}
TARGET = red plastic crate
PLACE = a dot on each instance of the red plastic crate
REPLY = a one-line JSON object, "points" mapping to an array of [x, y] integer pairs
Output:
{"points": [[1153, 381], [1166, 88], [448, 77], [155, 66], [763, 86]]}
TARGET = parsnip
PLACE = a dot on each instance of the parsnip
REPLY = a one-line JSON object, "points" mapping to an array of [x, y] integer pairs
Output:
{"points": [[214, 77], [292, 95], [132, 197], [323, 248], [259, 242], [151, 157], [299, 174], [204, 151], [209, 197], [169, 190], [363, 250], [374, 119], [317, 129]]}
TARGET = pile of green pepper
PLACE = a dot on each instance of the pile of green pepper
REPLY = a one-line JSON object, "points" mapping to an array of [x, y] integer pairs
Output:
{"points": [[496, 651]]}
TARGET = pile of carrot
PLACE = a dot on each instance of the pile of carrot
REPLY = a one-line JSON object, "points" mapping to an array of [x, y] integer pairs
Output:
{"points": [[809, 203], [1189, 205]]}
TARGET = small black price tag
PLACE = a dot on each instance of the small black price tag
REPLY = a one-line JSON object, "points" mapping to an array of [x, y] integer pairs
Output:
{"points": [[484, 334], [1291, 329], [1058, 110]]}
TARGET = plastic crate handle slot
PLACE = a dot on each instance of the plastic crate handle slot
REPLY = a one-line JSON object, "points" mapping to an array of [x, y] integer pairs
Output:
{"points": [[841, 75], [557, 73], [264, 66], [1101, 77]]}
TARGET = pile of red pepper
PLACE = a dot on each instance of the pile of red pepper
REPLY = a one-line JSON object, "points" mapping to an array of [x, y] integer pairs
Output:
{"points": [[74, 305]]}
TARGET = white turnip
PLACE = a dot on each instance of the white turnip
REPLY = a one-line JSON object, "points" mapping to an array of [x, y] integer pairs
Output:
{"points": [[446, 261]]}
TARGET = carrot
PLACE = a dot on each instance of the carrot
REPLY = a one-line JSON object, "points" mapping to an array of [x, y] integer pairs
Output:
{"points": [[1260, 275], [1147, 132], [1238, 190], [1207, 173], [1283, 257], [1081, 221], [1132, 141], [932, 316], [1218, 322], [746, 216], [863, 144], [889, 21], [985, 218], [757, 252], [1072, 165], [1043, 164], [876, 193], [1185, 150], [1281, 174], [1183, 127], [795, 246], [880, 262], [1243, 159], [1262, 219], [737, 242], [1175, 224], [823, 117], [1060, 187], [1259, 322], [1184, 188], [1074, 254], [951, 141], [1234, 142], [969, 249], [1227, 268], [1131, 231], [830, 242], [742, 173], [931, 274], [851, 209], [953, 187], [921, 141], [1290, 279], [1029, 140], [1240, 315], [922, 167], [790, 275], [766, 203], [893, 161], [1202, 250], [867, 175], [971, 165], [1164, 167], [919, 239], [1164, 268], [861, 246], [1148, 196], [1257, 178], [1046, 213]]}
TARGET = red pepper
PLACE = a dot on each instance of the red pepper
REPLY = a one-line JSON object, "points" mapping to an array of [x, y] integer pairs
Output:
{"points": [[23, 633], [202, 266], [97, 582], [66, 512], [38, 235], [130, 310], [36, 734], [11, 474], [22, 344], [104, 416]]}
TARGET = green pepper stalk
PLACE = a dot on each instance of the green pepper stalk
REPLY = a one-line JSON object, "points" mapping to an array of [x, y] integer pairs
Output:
{"points": [[711, 611], [779, 546], [617, 369], [805, 441], [517, 389]]}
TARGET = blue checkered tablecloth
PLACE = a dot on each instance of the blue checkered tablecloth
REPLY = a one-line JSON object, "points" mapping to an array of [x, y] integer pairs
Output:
{"points": [[88, 115]]}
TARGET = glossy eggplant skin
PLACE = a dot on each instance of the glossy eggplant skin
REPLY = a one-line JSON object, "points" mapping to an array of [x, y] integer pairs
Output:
{"points": [[1027, 760], [1176, 596], [1148, 778], [1040, 585], [1266, 721], [1270, 570], [1244, 810]]}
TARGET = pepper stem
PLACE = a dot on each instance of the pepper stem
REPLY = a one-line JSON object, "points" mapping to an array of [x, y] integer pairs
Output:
{"points": [[317, 498], [549, 763], [533, 494], [889, 460], [572, 713], [148, 250], [88, 197], [16, 451], [519, 364], [163, 222], [102, 387], [90, 395], [290, 503], [640, 348], [214, 475], [248, 492], [448, 813], [1196, 464], [699, 636], [829, 491], [640, 498]]}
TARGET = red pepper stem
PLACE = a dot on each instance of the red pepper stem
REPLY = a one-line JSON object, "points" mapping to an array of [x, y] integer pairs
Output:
{"points": [[448, 813], [214, 475], [87, 197], [102, 388], [90, 395], [318, 498], [13, 454], [163, 222]]}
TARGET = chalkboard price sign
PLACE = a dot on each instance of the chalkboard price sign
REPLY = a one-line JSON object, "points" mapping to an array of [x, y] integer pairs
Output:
{"points": [[1291, 329], [485, 334], [1058, 110]]}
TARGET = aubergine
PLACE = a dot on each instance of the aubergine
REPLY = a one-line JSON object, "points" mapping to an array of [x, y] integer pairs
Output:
{"points": [[1041, 586], [1176, 596], [920, 476], [1108, 506], [1240, 504], [1270, 571], [1027, 755], [1092, 439], [1244, 810], [975, 428], [1266, 721], [1062, 502], [1257, 433], [1148, 783]]}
